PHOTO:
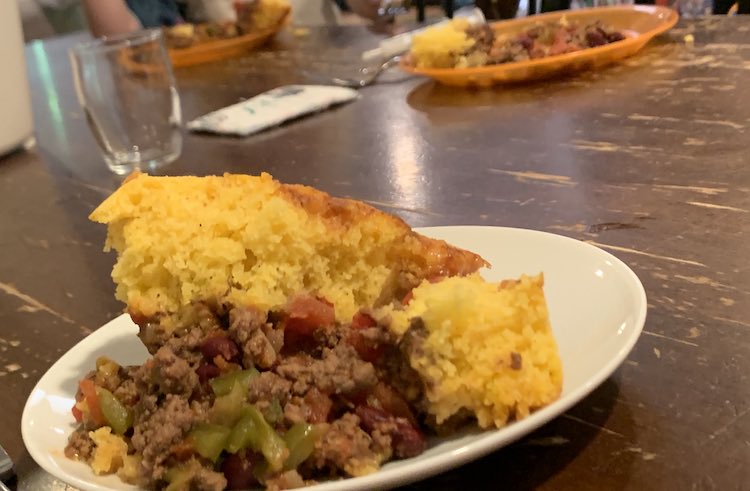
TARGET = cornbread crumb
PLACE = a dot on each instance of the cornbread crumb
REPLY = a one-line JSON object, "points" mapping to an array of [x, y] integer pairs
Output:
{"points": [[488, 347], [110, 452], [441, 46], [252, 241], [129, 472]]}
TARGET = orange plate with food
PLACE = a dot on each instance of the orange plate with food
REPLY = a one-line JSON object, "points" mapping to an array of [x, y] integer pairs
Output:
{"points": [[638, 24], [221, 49]]}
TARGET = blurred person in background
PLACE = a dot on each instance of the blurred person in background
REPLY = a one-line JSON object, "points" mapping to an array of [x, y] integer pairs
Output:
{"points": [[112, 17]]}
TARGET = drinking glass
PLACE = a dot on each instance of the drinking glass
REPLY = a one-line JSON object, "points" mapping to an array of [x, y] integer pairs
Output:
{"points": [[127, 91]]}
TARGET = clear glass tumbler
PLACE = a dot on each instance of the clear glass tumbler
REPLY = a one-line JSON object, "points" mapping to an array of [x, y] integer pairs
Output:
{"points": [[127, 91]]}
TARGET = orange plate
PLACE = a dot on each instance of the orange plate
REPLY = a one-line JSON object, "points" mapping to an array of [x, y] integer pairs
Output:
{"points": [[640, 23], [222, 49]]}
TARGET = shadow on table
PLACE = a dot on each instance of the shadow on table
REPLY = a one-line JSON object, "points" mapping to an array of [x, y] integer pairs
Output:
{"points": [[539, 457]]}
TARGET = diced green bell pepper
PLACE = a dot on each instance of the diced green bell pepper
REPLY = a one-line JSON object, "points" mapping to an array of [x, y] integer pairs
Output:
{"points": [[274, 412], [116, 415], [244, 434], [178, 479], [223, 385], [227, 409], [300, 439], [253, 431], [209, 440]]}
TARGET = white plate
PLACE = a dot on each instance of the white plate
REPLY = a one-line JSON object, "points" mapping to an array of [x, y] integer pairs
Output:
{"points": [[597, 307]]}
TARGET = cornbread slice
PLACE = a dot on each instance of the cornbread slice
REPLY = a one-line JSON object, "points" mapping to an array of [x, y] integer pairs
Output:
{"points": [[251, 241], [483, 347], [441, 46]]}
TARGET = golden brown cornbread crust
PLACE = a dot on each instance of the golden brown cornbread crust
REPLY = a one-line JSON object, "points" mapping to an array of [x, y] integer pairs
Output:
{"points": [[250, 240]]}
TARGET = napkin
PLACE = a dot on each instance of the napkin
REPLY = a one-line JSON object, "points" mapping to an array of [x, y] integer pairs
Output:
{"points": [[271, 109]]}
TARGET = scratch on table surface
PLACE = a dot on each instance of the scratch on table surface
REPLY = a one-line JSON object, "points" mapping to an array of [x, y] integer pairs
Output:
{"points": [[31, 301], [671, 119], [548, 441], [704, 280], [726, 426], [726, 302], [577, 227], [694, 142], [597, 146], [647, 254], [644, 455], [662, 336], [657, 353], [697, 189], [592, 425], [717, 207], [527, 176], [723, 88], [731, 321], [730, 124], [694, 332]]}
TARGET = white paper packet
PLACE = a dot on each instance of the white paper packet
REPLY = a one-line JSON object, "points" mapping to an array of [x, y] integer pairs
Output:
{"points": [[272, 108]]}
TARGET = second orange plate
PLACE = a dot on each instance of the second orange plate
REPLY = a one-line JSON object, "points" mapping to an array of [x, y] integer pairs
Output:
{"points": [[639, 23], [221, 49]]}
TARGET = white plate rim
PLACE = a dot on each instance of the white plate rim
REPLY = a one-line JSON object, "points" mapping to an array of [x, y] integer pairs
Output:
{"points": [[429, 466]]}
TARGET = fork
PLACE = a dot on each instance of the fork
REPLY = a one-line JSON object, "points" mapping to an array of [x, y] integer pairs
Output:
{"points": [[6, 468], [369, 75]]}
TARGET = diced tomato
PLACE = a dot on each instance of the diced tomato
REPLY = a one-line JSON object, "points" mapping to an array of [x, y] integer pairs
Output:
{"points": [[319, 404], [308, 313], [305, 315], [77, 414], [362, 320], [88, 389], [408, 297], [367, 349]]}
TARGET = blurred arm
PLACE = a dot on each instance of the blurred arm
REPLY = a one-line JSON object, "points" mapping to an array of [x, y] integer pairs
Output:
{"points": [[110, 17], [365, 8]]}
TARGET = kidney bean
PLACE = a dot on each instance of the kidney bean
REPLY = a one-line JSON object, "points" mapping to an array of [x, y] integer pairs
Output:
{"points": [[238, 470], [407, 440], [207, 371], [219, 345]]}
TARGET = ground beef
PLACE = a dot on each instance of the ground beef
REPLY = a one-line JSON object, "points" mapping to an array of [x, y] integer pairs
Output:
{"points": [[483, 36], [154, 334], [80, 445], [155, 434], [127, 391], [165, 373], [187, 345], [339, 371], [201, 478], [346, 446], [267, 387], [259, 341], [314, 407]]}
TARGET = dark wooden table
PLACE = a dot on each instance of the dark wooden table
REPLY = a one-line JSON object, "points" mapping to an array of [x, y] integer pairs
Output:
{"points": [[649, 160]]}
